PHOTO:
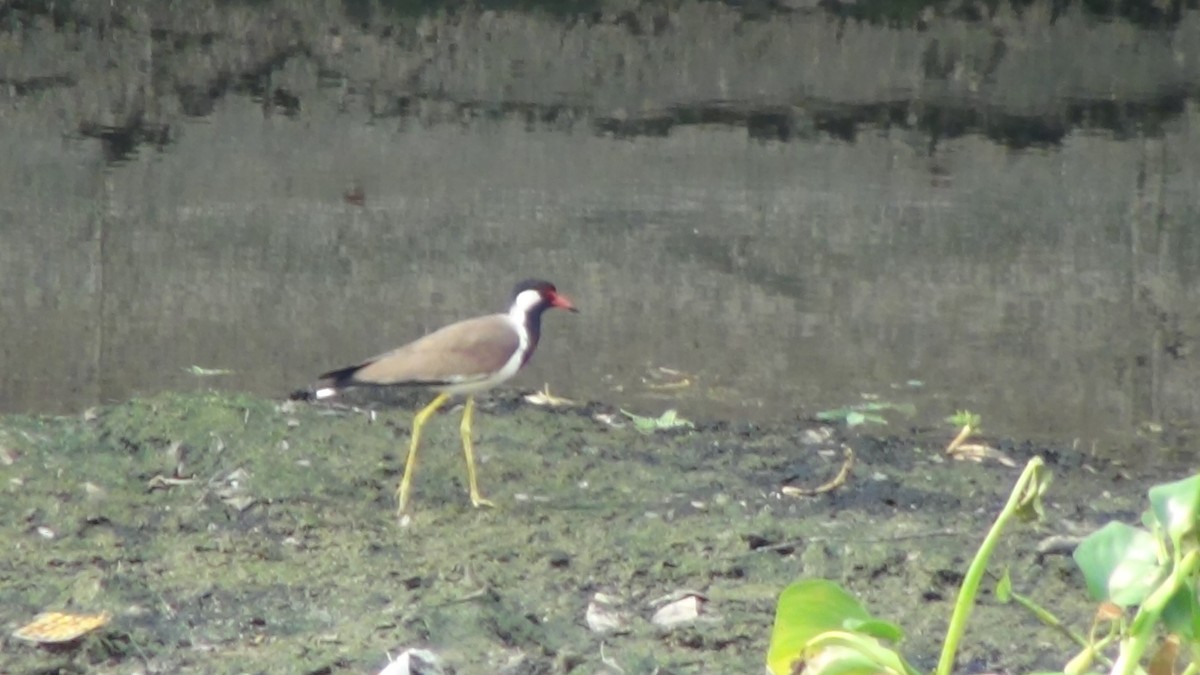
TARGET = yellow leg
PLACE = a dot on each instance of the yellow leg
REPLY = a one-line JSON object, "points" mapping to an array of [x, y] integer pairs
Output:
{"points": [[410, 465], [476, 498]]}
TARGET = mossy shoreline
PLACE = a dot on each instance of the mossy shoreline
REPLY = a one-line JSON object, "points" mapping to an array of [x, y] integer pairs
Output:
{"points": [[229, 533]]}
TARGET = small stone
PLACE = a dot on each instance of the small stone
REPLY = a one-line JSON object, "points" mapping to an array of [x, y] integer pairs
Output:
{"points": [[679, 608], [241, 503], [816, 436], [602, 616]]}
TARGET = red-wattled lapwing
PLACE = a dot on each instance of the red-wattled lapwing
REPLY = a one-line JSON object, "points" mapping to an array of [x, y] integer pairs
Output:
{"points": [[463, 358]]}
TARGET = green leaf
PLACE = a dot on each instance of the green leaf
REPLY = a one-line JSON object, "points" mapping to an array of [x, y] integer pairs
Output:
{"points": [[810, 607], [1182, 613], [965, 418], [835, 415], [1120, 564], [863, 413], [1004, 588], [1176, 506], [849, 659], [668, 420], [876, 628], [1029, 508]]}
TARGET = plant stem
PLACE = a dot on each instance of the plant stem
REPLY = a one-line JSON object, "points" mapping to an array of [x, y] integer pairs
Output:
{"points": [[970, 585], [1054, 622], [1141, 631]]}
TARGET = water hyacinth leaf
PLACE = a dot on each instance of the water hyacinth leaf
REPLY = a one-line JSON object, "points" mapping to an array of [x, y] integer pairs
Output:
{"points": [[876, 628], [847, 658], [1120, 564], [1148, 521], [808, 608], [1182, 613], [1176, 506]]}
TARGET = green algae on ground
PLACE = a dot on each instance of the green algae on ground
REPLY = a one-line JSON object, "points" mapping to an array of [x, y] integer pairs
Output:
{"points": [[282, 552]]}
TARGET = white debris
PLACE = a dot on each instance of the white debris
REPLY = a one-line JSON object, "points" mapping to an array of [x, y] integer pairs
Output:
{"points": [[414, 662], [678, 608], [602, 615]]}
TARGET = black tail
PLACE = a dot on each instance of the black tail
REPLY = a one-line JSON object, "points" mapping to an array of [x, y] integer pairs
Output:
{"points": [[334, 379], [340, 378]]}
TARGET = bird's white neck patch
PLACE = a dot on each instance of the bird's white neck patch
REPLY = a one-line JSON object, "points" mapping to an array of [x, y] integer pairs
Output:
{"points": [[525, 301]]}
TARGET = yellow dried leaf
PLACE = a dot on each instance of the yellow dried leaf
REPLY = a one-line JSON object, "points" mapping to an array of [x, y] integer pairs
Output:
{"points": [[56, 627]]}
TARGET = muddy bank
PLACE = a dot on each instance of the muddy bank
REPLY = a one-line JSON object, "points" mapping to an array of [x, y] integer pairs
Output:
{"points": [[620, 150], [279, 550]]}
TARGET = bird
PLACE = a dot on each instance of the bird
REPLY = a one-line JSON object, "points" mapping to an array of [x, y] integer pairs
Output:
{"points": [[466, 357]]}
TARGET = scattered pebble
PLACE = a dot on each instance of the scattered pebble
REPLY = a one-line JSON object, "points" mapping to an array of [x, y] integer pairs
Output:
{"points": [[240, 503], [679, 608], [602, 615], [816, 436]]}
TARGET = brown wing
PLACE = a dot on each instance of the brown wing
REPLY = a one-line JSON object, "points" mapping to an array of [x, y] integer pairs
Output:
{"points": [[461, 352]]}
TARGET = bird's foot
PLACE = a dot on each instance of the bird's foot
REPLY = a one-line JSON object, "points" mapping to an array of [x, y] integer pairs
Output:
{"points": [[477, 500]]}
